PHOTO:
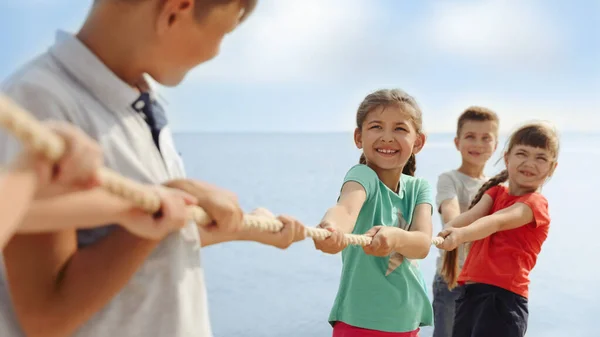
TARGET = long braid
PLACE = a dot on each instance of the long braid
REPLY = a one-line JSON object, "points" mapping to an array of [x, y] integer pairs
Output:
{"points": [[450, 260], [494, 181], [362, 159], [411, 166]]}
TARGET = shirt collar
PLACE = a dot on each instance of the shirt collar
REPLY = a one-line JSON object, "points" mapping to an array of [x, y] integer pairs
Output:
{"points": [[91, 73]]}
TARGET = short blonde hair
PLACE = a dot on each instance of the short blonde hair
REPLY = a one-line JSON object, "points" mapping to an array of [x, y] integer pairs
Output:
{"points": [[477, 114]]}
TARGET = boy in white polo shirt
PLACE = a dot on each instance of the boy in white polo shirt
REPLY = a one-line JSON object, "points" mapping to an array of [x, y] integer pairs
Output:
{"points": [[106, 282]]}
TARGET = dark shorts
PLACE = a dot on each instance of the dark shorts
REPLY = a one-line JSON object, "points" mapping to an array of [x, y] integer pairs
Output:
{"points": [[484, 310]]}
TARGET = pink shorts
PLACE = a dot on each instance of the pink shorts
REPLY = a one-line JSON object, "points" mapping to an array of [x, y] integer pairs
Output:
{"points": [[341, 329]]}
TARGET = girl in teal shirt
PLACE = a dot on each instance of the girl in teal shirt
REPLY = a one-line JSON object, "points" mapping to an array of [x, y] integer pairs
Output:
{"points": [[382, 291]]}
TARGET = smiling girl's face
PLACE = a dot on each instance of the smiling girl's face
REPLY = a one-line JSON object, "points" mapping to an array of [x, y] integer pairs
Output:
{"points": [[529, 167], [388, 136]]}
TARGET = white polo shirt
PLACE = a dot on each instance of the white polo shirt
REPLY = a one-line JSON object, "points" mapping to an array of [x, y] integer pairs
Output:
{"points": [[167, 296]]}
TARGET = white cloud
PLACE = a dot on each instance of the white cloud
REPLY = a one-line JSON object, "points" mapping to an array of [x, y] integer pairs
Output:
{"points": [[292, 40], [314, 40], [502, 32]]}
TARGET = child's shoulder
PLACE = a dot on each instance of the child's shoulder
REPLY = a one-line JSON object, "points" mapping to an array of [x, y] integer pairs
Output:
{"points": [[502, 190], [536, 198], [413, 179], [38, 70], [497, 191], [457, 176], [539, 196], [449, 173], [362, 170], [448, 176], [415, 183], [365, 176], [38, 82], [538, 204], [38, 88]]}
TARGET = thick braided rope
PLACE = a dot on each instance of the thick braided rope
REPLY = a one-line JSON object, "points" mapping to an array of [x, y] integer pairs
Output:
{"points": [[33, 134]]}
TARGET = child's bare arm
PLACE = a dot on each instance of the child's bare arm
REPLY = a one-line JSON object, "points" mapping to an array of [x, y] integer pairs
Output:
{"points": [[17, 190], [449, 210], [30, 176], [481, 209], [446, 196], [72, 210], [57, 287], [342, 216], [416, 243], [512, 217]]}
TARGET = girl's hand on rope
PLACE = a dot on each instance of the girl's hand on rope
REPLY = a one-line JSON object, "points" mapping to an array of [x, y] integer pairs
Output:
{"points": [[292, 231], [173, 215], [383, 242], [452, 238], [333, 244], [221, 205]]}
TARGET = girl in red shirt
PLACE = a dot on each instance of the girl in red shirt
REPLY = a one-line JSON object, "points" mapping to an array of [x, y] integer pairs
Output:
{"points": [[506, 226]]}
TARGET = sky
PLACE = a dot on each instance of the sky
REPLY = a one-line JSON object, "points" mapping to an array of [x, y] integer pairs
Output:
{"points": [[305, 65]]}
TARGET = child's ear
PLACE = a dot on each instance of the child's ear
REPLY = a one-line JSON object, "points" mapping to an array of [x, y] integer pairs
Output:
{"points": [[552, 169], [456, 142], [419, 143], [358, 138], [172, 11]]}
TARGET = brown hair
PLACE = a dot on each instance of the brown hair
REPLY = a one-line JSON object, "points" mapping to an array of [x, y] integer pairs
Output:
{"points": [[477, 114], [538, 135], [202, 7], [386, 98]]}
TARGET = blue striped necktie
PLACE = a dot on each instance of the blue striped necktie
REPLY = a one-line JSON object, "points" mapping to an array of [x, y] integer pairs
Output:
{"points": [[153, 114]]}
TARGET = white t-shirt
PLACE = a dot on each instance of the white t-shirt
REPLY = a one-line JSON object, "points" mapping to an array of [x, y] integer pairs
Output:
{"points": [[454, 184]]}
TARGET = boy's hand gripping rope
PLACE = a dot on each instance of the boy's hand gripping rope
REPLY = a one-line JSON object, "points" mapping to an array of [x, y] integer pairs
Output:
{"points": [[32, 133]]}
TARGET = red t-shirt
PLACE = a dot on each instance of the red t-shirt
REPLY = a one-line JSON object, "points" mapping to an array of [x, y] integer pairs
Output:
{"points": [[505, 259]]}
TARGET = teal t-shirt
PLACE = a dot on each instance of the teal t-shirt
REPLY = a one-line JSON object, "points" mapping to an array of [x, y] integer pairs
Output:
{"points": [[383, 293]]}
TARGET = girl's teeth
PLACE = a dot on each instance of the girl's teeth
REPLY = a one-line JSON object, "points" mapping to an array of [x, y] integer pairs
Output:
{"points": [[386, 151]]}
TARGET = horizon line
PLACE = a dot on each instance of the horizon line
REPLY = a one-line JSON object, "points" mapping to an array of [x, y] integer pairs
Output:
{"points": [[303, 132]]}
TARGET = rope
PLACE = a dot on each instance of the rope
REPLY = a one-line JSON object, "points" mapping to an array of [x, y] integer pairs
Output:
{"points": [[33, 134]]}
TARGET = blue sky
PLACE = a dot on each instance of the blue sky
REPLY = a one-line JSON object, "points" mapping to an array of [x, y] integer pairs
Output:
{"points": [[305, 65]]}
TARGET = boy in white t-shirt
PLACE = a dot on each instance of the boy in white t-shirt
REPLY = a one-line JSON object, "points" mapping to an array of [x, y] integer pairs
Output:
{"points": [[476, 140]]}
